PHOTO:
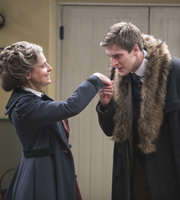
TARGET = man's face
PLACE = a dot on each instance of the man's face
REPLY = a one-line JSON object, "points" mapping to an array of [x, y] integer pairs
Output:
{"points": [[121, 59]]}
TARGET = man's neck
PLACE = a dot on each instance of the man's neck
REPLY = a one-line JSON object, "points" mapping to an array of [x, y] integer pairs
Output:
{"points": [[139, 60]]}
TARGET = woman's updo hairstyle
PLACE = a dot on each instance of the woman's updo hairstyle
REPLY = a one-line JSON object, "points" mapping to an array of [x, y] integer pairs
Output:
{"points": [[16, 61]]}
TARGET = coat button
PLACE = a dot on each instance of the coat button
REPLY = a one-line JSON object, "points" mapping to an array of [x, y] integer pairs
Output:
{"points": [[65, 151]]}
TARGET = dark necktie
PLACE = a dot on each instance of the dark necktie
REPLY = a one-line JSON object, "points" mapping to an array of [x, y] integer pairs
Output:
{"points": [[137, 79], [136, 88]]}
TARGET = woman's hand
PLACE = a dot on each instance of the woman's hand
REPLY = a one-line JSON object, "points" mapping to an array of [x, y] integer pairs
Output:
{"points": [[103, 78], [106, 94]]}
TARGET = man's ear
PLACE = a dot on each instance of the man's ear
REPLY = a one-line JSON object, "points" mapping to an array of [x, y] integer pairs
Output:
{"points": [[136, 48]]}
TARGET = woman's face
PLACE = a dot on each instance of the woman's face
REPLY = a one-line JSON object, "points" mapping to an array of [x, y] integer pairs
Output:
{"points": [[39, 77]]}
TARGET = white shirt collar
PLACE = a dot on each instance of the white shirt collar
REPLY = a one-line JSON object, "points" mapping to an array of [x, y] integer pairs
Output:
{"points": [[33, 91], [141, 70]]}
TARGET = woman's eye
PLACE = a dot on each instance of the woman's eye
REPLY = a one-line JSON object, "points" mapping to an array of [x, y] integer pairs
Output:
{"points": [[44, 65]]}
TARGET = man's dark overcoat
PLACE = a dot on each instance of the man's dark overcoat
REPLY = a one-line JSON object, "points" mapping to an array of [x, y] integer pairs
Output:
{"points": [[158, 125], [46, 169]]}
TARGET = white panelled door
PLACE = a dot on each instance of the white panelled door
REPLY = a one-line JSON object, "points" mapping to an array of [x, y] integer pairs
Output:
{"points": [[84, 28], [165, 24]]}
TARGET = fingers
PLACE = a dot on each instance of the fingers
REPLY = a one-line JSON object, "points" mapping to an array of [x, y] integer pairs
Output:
{"points": [[103, 78], [106, 92], [107, 89]]}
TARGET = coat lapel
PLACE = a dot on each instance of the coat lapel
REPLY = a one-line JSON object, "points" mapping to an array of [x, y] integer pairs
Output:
{"points": [[153, 95]]}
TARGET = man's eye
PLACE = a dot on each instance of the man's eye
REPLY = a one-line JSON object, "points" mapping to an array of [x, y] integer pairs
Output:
{"points": [[117, 56]]}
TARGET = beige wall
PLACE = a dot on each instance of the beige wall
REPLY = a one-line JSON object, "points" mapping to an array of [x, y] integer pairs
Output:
{"points": [[124, 1], [33, 21]]}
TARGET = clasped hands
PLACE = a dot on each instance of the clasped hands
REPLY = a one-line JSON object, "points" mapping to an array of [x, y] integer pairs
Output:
{"points": [[107, 91]]}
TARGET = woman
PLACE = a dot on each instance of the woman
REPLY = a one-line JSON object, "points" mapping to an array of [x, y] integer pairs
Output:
{"points": [[46, 169]]}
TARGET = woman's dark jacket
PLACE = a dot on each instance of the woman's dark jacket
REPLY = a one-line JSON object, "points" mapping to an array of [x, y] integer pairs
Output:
{"points": [[46, 169], [158, 125]]}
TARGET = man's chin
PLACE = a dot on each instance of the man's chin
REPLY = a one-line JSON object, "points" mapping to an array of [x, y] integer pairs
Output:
{"points": [[122, 73]]}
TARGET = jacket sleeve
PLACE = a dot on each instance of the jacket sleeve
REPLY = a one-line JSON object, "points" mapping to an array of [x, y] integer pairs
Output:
{"points": [[172, 110], [174, 130], [35, 112], [105, 117]]}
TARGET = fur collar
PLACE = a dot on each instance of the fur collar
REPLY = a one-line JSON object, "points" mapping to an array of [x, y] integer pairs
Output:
{"points": [[153, 96]]}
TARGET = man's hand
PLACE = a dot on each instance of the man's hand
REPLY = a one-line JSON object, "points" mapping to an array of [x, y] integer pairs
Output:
{"points": [[106, 94]]}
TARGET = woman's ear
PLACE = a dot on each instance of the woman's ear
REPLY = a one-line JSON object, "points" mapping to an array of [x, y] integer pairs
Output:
{"points": [[28, 76]]}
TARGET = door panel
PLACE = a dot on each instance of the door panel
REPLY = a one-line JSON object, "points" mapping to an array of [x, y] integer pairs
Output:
{"points": [[165, 24], [84, 28]]}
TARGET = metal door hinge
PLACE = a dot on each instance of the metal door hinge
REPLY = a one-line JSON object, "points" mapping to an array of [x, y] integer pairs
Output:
{"points": [[61, 32]]}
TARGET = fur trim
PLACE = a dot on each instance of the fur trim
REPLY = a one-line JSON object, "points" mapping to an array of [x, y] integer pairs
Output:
{"points": [[153, 96]]}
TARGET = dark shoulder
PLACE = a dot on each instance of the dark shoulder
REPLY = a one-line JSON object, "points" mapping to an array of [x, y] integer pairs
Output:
{"points": [[175, 61], [19, 95], [175, 67], [174, 74], [173, 92]]}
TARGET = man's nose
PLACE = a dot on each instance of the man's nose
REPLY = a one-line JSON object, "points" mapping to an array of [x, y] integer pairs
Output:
{"points": [[114, 62]]}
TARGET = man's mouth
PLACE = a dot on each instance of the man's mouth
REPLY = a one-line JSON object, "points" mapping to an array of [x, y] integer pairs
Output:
{"points": [[119, 69]]}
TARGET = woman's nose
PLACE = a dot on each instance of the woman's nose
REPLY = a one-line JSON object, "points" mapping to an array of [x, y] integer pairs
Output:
{"points": [[49, 68]]}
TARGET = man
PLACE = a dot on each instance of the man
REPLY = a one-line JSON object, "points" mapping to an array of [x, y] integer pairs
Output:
{"points": [[142, 115]]}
